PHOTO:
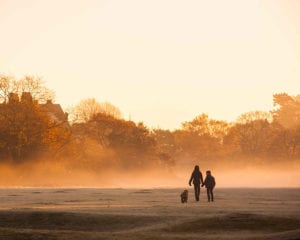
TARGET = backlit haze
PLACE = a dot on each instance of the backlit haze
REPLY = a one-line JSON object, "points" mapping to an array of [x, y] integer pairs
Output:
{"points": [[160, 62]]}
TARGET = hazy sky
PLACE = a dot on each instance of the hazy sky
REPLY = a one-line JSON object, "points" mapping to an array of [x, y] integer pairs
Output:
{"points": [[160, 61]]}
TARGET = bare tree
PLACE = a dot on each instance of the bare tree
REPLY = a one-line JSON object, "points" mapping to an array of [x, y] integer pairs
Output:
{"points": [[88, 108], [7, 85], [84, 110], [33, 85], [111, 110]]}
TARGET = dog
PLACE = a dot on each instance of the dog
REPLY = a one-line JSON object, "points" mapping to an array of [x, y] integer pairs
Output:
{"points": [[184, 196]]}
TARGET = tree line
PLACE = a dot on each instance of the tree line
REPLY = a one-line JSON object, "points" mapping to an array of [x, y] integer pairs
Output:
{"points": [[94, 136]]}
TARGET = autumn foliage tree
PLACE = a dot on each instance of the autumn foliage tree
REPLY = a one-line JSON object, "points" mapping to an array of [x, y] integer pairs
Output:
{"points": [[131, 143], [287, 119], [251, 136], [288, 110], [26, 129], [201, 138], [98, 136]]}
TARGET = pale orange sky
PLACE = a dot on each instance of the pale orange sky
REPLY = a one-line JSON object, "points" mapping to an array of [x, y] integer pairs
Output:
{"points": [[160, 61]]}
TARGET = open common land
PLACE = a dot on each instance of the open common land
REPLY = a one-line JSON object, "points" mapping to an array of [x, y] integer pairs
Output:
{"points": [[95, 213]]}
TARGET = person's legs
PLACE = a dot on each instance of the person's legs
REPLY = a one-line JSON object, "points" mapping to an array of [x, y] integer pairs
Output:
{"points": [[212, 194], [208, 194], [197, 191]]}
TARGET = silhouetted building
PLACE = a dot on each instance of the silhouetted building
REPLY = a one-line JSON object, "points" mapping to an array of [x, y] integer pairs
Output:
{"points": [[54, 111]]}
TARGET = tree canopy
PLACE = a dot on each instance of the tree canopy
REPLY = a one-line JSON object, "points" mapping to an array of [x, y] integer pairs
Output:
{"points": [[95, 134]]}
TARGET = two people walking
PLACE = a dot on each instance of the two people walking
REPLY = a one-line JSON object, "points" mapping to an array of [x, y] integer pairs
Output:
{"points": [[197, 180]]}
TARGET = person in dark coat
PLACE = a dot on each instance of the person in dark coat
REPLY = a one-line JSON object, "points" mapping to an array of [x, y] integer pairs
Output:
{"points": [[197, 180], [209, 183]]}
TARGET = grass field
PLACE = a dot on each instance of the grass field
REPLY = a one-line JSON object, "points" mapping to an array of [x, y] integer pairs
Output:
{"points": [[82, 213]]}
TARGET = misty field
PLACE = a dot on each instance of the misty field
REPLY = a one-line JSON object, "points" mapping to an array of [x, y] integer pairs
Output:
{"points": [[91, 213]]}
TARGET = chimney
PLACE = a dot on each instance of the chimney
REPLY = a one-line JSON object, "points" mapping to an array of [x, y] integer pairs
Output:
{"points": [[13, 98], [26, 97], [49, 101]]}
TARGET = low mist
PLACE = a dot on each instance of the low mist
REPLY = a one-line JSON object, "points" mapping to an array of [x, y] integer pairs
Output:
{"points": [[46, 173]]}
